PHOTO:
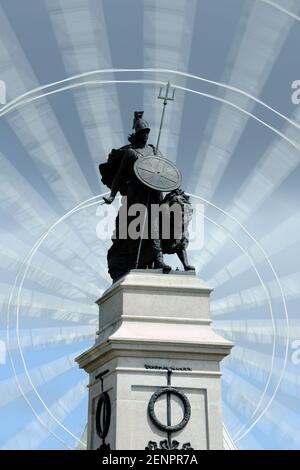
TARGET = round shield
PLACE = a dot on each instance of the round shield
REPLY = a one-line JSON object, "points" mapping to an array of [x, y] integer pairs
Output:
{"points": [[157, 173]]}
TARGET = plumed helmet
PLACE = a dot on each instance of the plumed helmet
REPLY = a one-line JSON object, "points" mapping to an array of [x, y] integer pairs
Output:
{"points": [[139, 123]]}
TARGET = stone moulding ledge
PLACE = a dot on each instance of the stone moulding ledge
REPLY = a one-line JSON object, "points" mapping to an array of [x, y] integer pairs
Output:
{"points": [[124, 348], [141, 370], [136, 282], [166, 289], [174, 372], [188, 321], [201, 345]]}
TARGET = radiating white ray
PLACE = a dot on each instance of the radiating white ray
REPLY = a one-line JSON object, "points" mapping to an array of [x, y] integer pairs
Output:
{"points": [[244, 299], [40, 338], [255, 296], [45, 271], [256, 365], [49, 278], [20, 102], [45, 314], [230, 419], [285, 313], [22, 278], [83, 439], [69, 304], [35, 127], [254, 332], [275, 342], [95, 142], [233, 421], [241, 398], [277, 163], [250, 362], [31, 436], [250, 443], [41, 301], [40, 376], [83, 43], [254, 362], [241, 395], [28, 209], [39, 132], [284, 10], [277, 240], [168, 30], [249, 69], [228, 442], [252, 349], [270, 308], [81, 79]]}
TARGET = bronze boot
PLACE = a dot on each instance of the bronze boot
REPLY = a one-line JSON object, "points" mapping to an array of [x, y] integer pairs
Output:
{"points": [[159, 263]]}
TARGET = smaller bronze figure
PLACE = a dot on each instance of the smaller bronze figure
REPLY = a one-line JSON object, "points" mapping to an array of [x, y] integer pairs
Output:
{"points": [[174, 245]]}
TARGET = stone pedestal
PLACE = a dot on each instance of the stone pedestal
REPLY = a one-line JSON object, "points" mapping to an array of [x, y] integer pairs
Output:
{"points": [[161, 361]]}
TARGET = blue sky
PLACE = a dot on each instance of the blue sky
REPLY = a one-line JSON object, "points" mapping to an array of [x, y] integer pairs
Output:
{"points": [[238, 147]]}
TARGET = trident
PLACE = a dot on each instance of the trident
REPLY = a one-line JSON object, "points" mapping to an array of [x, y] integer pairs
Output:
{"points": [[166, 98]]}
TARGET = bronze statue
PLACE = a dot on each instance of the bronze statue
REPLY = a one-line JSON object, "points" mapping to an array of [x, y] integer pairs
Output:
{"points": [[122, 255], [141, 174], [119, 175]]}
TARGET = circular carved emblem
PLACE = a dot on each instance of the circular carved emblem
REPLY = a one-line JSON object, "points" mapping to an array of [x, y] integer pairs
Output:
{"points": [[103, 414], [186, 409]]}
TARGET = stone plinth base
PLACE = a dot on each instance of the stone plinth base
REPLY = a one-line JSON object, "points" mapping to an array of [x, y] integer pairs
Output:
{"points": [[150, 323]]}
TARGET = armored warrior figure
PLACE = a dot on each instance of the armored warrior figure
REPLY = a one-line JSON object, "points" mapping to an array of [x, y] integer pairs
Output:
{"points": [[140, 173], [122, 255]]}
